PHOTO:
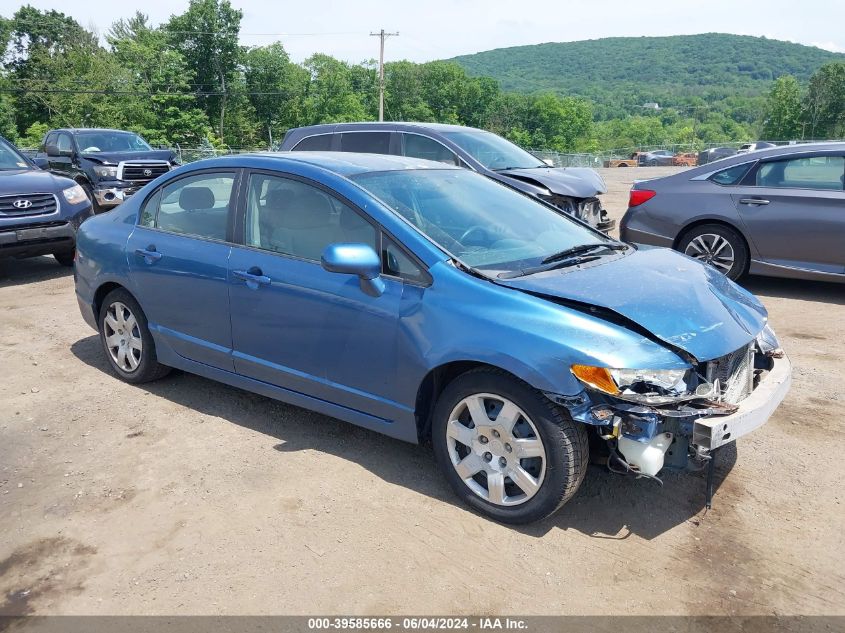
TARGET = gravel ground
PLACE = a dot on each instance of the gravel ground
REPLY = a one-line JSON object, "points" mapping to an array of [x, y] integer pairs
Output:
{"points": [[189, 497]]}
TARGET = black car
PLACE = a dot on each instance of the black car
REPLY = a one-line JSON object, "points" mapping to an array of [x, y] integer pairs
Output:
{"points": [[110, 165], [715, 153], [39, 212], [574, 190]]}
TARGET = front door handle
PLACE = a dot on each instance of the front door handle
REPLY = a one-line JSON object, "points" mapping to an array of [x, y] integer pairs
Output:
{"points": [[753, 201], [150, 254], [253, 277]]}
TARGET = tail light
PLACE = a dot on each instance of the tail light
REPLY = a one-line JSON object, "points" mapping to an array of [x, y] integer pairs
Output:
{"points": [[638, 196]]}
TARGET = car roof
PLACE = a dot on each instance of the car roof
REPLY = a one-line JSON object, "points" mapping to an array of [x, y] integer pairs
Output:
{"points": [[91, 129], [341, 163], [777, 151], [399, 126]]}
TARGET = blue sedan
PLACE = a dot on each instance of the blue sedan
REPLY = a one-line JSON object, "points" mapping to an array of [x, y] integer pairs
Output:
{"points": [[432, 304]]}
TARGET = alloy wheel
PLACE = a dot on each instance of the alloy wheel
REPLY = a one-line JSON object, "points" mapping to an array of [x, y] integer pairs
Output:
{"points": [[712, 249], [123, 337], [496, 449]]}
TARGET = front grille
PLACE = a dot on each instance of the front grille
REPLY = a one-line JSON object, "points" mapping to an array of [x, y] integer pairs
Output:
{"points": [[142, 171], [26, 204], [735, 373]]}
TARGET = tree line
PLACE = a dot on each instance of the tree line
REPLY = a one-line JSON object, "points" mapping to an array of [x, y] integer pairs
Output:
{"points": [[189, 81]]}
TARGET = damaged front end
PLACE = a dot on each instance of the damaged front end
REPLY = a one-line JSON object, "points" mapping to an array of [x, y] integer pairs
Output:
{"points": [[588, 210], [676, 418]]}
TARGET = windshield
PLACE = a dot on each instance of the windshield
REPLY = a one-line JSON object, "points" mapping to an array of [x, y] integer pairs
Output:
{"points": [[105, 141], [484, 224], [493, 151], [10, 158]]}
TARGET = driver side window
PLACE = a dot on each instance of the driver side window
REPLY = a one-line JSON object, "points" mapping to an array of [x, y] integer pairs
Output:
{"points": [[64, 143], [295, 218]]}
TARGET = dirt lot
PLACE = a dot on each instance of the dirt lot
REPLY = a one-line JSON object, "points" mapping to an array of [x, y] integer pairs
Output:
{"points": [[186, 496]]}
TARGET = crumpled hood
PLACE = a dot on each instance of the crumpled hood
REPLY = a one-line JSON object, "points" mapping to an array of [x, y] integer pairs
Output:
{"points": [[678, 300], [578, 182], [31, 181], [116, 157]]}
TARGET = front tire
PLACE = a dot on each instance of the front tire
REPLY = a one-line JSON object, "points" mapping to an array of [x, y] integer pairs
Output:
{"points": [[95, 206], [506, 449], [718, 246], [126, 339]]}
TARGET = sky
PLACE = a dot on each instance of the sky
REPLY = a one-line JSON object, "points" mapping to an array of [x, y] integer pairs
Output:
{"points": [[438, 29]]}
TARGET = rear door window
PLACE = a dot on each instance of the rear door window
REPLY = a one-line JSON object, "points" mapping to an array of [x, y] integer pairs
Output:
{"points": [[809, 172], [318, 143], [365, 142], [418, 146], [195, 205]]}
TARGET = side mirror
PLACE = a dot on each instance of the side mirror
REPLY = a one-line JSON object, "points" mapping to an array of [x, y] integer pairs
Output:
{"points": [[549, 162], [53, 150], [355, 259], [41, 162]]}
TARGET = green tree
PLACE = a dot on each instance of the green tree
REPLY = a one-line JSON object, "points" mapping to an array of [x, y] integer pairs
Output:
{"points": [[277, 89], [330, 97], [783, 110], [824, 105], [170, 114], [207, 37]]}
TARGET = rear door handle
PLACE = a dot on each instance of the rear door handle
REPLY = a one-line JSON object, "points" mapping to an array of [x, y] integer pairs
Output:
{"points": [[253, 277], [753, 201], [150, 254]]}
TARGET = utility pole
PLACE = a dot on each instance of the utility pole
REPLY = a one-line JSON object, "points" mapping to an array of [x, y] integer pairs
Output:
{"points": [[381, 35]]}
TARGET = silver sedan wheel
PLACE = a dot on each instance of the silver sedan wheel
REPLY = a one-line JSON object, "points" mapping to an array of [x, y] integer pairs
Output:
{"points": [[496, 449], [712, 249], [123, 337]]}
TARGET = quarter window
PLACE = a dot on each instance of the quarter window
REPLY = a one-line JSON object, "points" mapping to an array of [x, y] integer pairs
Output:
{"points": [[397, 263], [815, 172], [731, 175], [197, 205], [318, 143], [418, 146], [365, 142], [294, 218]]}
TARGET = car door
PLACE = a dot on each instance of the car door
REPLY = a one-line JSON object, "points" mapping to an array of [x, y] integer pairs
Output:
{"points": [[794, 211], [178, 260], [297, 326]]}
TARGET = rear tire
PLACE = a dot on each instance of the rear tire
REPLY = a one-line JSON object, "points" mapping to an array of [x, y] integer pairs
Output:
{"points": [[126, 339], [524, 470], [718, 246], [65, 258]]}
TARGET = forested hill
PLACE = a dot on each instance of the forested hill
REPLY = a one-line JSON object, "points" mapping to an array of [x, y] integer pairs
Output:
{"points": [[642, 69]]}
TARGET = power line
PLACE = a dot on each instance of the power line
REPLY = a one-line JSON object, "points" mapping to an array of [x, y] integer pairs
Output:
{"points": [[381, 35]]}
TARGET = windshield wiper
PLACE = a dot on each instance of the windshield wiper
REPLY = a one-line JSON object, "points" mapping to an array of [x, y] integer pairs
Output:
{"points": [[581, 249], [569, 257]]}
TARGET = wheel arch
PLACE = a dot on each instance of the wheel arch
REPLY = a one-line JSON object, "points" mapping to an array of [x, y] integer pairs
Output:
{"points": [[102, 291], [433, 384], [711, 220], [719, 222]]}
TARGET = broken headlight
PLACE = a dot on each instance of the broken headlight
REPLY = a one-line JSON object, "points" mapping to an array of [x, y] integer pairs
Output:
{"points": [[644, 386], [768, 343]]}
